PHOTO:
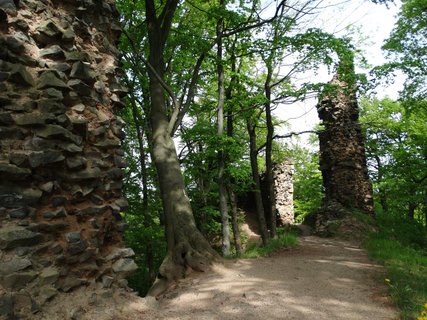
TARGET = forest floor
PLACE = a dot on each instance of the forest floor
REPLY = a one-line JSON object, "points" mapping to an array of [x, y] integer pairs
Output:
{"points": [[319, 279]]}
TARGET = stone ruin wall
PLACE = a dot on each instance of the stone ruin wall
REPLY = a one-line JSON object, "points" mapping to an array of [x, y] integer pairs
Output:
{"points": [[342, 153], [60, 159], [284, 190]]}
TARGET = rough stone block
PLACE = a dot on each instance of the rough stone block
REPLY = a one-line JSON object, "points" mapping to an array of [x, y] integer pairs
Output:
{"points": [[44, 158], [77, 247], [13, 237], [13, 196], [18, 280], [120, 253], [15, 265], [48, 276], [125, 266]]}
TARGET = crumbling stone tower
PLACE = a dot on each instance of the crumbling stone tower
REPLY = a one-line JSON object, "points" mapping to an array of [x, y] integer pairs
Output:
{"points": [[342, 152], [60, 157]]}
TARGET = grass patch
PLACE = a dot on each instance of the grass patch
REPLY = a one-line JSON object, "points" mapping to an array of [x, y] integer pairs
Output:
{"points": [[284, 239], [400, 246]]}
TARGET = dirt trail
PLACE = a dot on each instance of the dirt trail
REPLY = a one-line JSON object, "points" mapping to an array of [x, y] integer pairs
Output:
{"points": [[320, 279]]}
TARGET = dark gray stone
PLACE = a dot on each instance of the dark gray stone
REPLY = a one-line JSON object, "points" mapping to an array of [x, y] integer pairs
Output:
{"points": [[44, 158], [57, 249], [21, 251], [83, 72], [51, 106], [96, 199], [19, 213], [61, 213], [53, 93], [62, 67], [120, 162], [64, 121], [53, 52], [5, 118], [6, 303], [55, 131], [122, 226], [47, 293], [17, 264], [4, 76], [48, 276], [21, 76], [15, 45], [77, 247], [50, 79], [89, 253], [80, 87], [77, 56], [18, 280], [13, 197], [108, 143], [45, 263], [26, 119], [94, 223], [50, 28], [14, 237], [70, 283], [70, 147], [48, 215], [115, 174], [94, 173], [76, 163], [8, 6], [72, 237], [58, 201], [12, 172]]}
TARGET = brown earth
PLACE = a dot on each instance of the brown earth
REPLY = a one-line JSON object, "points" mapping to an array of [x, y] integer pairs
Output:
{"points": [[319, 279]]}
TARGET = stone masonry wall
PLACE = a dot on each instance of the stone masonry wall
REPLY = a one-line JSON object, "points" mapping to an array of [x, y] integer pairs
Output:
{"points": [[342, 153], [284, 190], [60, 159]]}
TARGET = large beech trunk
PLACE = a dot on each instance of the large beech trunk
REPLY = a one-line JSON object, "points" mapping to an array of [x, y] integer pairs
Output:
{"points": [[186, 247]]}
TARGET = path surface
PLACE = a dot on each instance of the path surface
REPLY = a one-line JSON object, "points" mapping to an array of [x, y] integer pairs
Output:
{"points": [[320, 279]]}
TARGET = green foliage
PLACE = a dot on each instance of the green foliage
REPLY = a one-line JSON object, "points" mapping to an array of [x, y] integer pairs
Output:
{"points": [[407, 51], [400, 244], [396, 149]]}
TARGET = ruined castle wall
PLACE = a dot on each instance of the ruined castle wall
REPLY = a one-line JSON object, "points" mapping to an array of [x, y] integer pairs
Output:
{"points": [[342, 153], [60, 159], [284, 190]]}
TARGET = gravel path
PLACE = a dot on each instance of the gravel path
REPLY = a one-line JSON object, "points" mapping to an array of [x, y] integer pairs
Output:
{"points": [[320, 279]]}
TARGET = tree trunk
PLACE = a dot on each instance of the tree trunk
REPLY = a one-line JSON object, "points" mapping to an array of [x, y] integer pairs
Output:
{"points": [[234, 220], [146, 218], [225, 231], [381, 192], [255, 176], [186, 247], [271, 197]]}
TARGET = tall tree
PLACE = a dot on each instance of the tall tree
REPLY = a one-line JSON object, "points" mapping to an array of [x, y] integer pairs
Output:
{"points": [[186, 247]]}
